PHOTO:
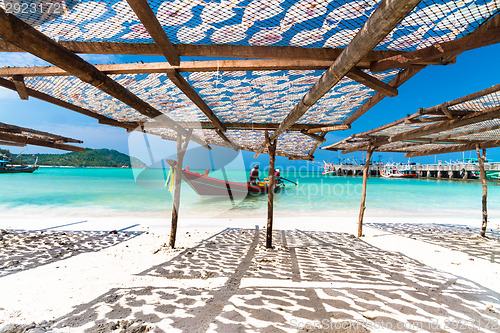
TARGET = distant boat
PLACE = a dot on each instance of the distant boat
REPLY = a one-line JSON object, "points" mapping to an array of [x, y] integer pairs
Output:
{"points": [[398, 171], [328, 169], [4, 168], [204, 185]]}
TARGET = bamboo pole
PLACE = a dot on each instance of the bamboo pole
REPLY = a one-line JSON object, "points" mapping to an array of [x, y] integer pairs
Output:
{"points": [[181, 150], [366, 174], [482, 177], [270, 192]]}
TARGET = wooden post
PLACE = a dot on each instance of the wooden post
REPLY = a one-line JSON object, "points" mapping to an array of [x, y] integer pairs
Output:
{"points": [[482, 177], [181, 150], [363, 195], [271, 147]]}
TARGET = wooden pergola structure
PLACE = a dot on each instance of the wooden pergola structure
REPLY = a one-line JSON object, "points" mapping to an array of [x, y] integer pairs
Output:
{"points": [[11, 135], [471, 122], [303, 69]]}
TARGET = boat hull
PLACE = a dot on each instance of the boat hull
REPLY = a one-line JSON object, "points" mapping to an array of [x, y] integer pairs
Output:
{"points": [[18, 169], [204, 185]]}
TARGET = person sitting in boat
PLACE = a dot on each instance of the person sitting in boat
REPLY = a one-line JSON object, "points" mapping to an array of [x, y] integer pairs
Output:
{"points": [[254, 175], [277, 176]]}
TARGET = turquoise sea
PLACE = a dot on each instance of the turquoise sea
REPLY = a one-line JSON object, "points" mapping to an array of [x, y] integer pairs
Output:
{"points": [[111, 192]]}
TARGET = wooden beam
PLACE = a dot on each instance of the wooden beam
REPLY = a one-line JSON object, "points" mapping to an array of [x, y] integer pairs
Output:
{"points": [[13, 144], [214, 51], [372, 82], [439, 108], [317, 144], [155, 30], [383, 20], [487, 34], [17, 129], [20, 87], [226, 139], [210, 125], [271, 147], [328, 128], [366, 174], [31, 40], [184, 86], [10, 137], [49, 99], [401, 78], [447, 125], [314, 136], [185, 66], [424, 120], [455, 149]]}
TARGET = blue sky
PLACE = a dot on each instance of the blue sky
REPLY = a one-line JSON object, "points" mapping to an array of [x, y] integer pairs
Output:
{"points": [[474, 70]]}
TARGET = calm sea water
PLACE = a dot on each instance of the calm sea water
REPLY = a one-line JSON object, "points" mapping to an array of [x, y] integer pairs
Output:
{"points": [[117, 191]]}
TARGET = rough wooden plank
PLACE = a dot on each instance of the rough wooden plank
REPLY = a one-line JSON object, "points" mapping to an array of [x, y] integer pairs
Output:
{"points": [[38, 142], [49, 99], [401, 78], [328, 128], [17, 129], [455, 149], [226, 139], [214, 51], [439, 108], [13, 144], [184, 86], [485, 35], [372, 82], [318, 143], [20, 87], [447, 125], [28, 38], [385, 18], [155, 30], [185, 66]]}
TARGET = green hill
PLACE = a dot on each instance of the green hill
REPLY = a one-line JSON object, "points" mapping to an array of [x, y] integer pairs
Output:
{"points": [[87, 158]]}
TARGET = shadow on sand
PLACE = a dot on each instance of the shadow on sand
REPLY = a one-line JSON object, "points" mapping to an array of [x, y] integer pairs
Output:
{"points": [[21, 250], [231, 283], [454, 237]]}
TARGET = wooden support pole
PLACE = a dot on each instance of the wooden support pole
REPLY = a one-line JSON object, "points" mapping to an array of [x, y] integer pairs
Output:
{"points": [[366, 174], [226, 139], [482, 177], [181, 151], [20, 87], [382, 21], [271, 147], [150, 22]]}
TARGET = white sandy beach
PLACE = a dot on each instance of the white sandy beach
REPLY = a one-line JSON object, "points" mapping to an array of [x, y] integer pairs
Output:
{"points": [[221, 278]]}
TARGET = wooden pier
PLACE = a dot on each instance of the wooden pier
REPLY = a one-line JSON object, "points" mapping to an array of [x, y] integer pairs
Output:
{"points": [[438, 171]]}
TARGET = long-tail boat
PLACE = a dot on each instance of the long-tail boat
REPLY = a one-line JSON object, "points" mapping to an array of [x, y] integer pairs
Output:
{"points": [[4, 168], [202, 184]]}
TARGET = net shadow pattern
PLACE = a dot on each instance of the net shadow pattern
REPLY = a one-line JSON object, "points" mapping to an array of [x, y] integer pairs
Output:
{"points": [[22, 250], [308, 276], [458, 238]]}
